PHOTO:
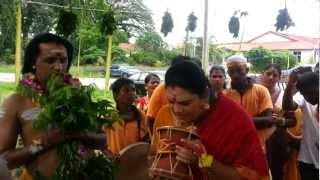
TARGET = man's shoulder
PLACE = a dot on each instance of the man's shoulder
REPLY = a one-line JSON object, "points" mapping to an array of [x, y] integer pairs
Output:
{"points": [[259, 87], [14, 99]]}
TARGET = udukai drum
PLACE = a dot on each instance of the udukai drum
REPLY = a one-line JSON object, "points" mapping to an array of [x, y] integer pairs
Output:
{"points": [[165, 164], [133, 163]]}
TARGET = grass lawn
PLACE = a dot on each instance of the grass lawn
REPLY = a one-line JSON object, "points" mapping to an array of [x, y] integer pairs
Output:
{"points": [[6, 89], [7, 68]]}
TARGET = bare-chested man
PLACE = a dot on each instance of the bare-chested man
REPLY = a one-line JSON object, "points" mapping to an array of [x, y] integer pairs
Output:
{"points": [[45, 54]]}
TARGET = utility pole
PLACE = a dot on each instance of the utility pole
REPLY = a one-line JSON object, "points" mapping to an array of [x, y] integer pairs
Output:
{"points": [[205, 62]]}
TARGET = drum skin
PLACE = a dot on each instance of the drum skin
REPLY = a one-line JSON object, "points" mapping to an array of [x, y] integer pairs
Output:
{"points": [[133, 163]]}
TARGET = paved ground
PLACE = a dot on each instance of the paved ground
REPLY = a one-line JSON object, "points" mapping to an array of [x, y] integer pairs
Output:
{"points": [[99, 82]]}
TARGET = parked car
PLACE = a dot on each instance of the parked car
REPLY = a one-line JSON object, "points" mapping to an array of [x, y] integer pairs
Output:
{"points": [[138, 79], [115, 70], [127, 72], [122, 70]]}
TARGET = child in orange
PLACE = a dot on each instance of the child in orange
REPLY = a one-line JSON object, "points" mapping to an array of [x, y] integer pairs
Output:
{"points": [[132, 129]]}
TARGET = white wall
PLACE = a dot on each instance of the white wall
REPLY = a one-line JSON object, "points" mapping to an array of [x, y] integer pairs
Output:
{"points": [[307, 57]]}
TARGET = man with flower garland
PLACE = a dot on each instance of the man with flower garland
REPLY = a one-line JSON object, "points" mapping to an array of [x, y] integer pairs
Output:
{"points": [[45, 54]]}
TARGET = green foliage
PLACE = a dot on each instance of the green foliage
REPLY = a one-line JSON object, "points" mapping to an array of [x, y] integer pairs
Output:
{"points": [[134, 17], [120, 37], [72, 109], [67, 23], [260, 58], [167, 24], [118, 55], [284, 20], [96, 56], [192, 22], [7, 57], [7, 30], [217, 55], [108, 24], [91, 55], [150, 41], [145, 57]]}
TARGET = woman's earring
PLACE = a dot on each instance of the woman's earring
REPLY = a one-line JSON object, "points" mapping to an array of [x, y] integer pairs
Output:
{"points": [[206, 106], [33, 67]]}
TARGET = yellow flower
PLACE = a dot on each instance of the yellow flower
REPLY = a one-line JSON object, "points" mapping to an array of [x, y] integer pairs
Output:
{"points": [[205, 160]]}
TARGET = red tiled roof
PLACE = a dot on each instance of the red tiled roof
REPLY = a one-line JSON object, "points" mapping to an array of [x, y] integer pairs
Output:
{"points": [[294, 43], [126, 46]]}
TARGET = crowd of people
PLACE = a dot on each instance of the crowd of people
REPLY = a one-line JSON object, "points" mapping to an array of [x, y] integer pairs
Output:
{"points": [[250, 129]]}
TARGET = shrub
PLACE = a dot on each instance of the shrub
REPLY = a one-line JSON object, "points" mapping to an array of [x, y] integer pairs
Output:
{"points": [[260, 58]]}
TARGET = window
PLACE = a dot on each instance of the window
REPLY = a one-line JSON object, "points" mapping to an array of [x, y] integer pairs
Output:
{"points": [[298, 55]]}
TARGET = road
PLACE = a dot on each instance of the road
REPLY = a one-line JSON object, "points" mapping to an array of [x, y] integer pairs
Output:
{"points": [[99, 82]]}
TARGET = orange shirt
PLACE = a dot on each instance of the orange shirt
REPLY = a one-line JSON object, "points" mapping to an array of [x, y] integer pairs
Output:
{"points": [[255, 100], [157, 100], [123, 134]]}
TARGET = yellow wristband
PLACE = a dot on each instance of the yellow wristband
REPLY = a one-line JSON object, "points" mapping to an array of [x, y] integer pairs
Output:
{"points": [[206, 161]]}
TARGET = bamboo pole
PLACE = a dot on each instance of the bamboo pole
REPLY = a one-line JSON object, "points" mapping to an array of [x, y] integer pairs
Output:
{"points": [[18, 43], [108, 64]]}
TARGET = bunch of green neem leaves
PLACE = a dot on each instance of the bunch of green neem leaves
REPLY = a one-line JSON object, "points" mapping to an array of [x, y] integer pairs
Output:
{"points": [[72, 109]]}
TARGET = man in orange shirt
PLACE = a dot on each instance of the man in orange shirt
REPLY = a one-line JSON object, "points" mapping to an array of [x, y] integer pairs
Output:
{"points": [[254, 98]]}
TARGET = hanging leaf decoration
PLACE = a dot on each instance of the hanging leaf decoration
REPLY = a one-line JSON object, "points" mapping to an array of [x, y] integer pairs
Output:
{"points": [[192, 22], [234, 26], [284, 20], [109, 24], [167, 24], [67, 23]]}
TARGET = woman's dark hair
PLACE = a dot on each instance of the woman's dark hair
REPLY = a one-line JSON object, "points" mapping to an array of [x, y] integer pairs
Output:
{"points": [[308, 80], [218, 68], [33, 50], [189, 76], [149, 76], [275, 66], [118, 84]]}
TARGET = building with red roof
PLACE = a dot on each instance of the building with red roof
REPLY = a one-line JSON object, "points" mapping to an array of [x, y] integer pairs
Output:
{"points": [[306, 49]]}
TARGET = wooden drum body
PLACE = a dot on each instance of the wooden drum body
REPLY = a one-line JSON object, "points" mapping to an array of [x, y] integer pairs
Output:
{"points": [[165, 163]]}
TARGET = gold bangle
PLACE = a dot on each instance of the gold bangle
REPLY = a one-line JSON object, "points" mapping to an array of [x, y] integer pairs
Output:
{"points": [[206, 160]]}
